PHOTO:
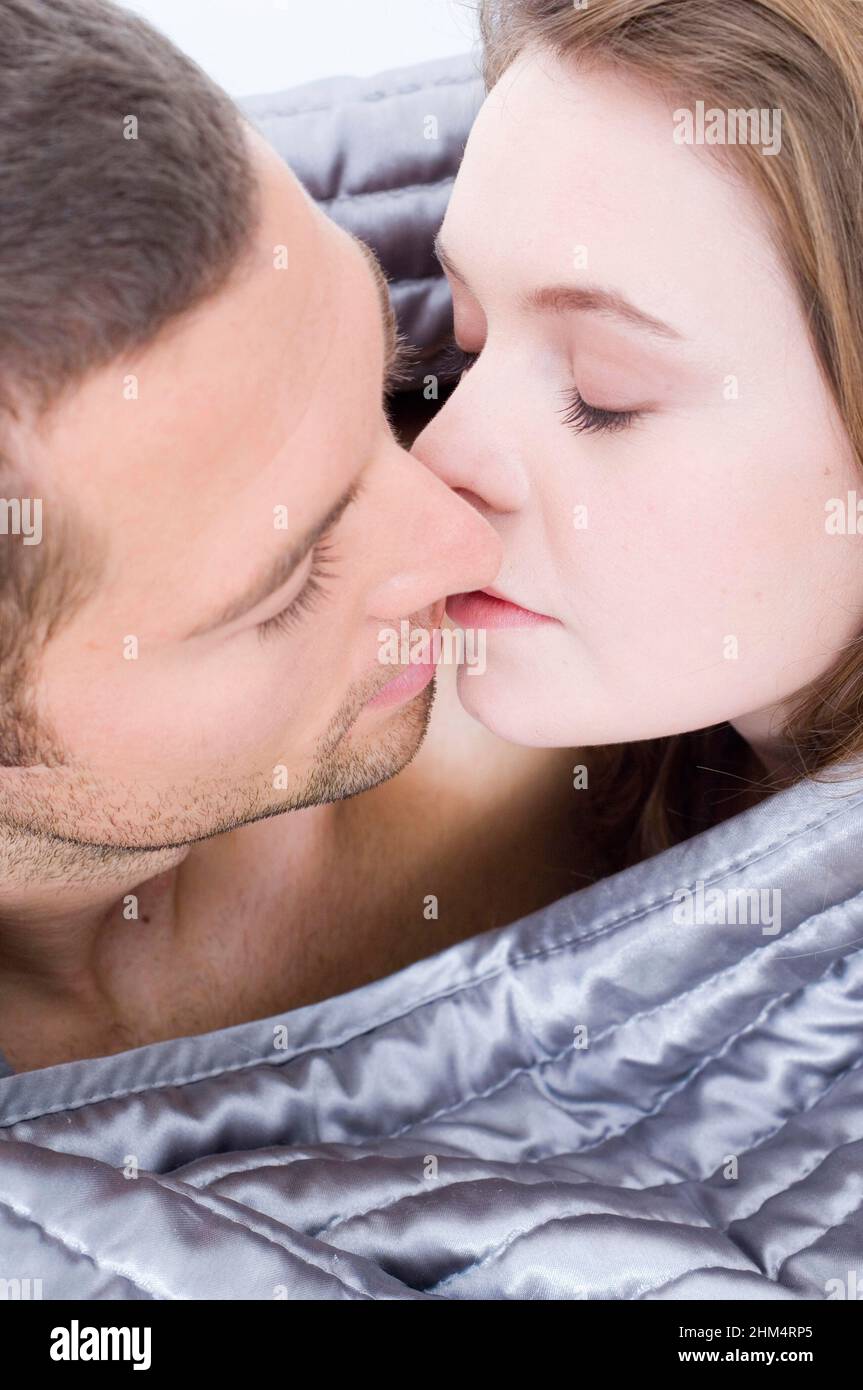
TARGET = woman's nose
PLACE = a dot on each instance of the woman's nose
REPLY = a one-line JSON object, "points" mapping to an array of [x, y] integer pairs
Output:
{"points": [[468, 446]]}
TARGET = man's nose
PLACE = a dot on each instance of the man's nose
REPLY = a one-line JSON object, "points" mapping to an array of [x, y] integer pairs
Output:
{"points": [[440, 544]]}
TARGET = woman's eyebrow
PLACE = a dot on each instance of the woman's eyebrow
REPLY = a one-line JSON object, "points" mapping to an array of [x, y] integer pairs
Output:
{"points": [[279, 570], [557, 299]]}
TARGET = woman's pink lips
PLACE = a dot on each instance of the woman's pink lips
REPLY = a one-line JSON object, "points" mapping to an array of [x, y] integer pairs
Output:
{"points": [[483, 609], [404, 686]]}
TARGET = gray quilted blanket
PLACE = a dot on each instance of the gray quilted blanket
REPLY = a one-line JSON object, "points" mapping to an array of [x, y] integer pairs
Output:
{"points": [[653, 1090]]}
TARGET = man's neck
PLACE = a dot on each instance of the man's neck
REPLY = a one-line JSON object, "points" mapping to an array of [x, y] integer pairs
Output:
{"points": [[53, 888], [60, 907], [102, 955]]}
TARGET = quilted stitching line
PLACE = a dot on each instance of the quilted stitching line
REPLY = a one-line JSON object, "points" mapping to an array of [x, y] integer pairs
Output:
{"points": [[416, 279], [803, 1177], [197, 1199], [756, 1143], [769, 1134], [399, 191], [76, 1250], [379, 94], [260, 1168], [461, 1180], [776, 1003], [772, 1004], [765, 1138], [707, 1269], [303, 1153], [376, 1209], [601, 1037], [465, 1181], [705, 985], [751, 857], [650, 1187], [747, 858], [185, 1196], [830, 1227], [515, 1236]]}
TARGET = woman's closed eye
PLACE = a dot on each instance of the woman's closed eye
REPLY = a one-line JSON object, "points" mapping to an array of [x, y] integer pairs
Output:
{"points": [[578, 414], [584, 418]]}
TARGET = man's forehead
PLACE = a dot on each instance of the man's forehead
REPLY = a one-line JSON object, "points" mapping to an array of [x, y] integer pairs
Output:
{"points": [[236, 373]]}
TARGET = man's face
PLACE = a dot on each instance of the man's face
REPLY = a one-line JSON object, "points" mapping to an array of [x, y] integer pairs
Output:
{"points": [[223, 667]]}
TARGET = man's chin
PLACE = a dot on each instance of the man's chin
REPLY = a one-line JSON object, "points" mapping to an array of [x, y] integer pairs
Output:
{"points": [[360, 759], [351, 758]]}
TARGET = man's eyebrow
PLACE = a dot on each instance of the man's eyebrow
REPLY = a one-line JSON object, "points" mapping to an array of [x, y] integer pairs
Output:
{"points": [[559, 299], [388, 314], [278, 571]]}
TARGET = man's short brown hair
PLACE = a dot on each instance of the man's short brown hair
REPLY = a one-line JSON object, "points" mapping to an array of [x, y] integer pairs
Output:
{"points": [[126, 198]]}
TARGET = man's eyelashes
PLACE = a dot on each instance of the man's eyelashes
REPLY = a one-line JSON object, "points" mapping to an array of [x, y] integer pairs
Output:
{"points": [[454, 361], [308, 599], [577, 413], [401, 365]]}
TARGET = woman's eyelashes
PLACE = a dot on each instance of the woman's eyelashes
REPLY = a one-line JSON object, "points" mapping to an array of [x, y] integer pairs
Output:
{"points": [[577, 413], [593, 419], [308, 599]]}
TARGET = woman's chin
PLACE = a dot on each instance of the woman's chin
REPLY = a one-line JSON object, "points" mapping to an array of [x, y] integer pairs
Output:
{"points": [[505, 701], [535, 706]]}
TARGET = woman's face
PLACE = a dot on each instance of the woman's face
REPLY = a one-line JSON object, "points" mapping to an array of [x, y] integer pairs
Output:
{"points": [[645, 425]]}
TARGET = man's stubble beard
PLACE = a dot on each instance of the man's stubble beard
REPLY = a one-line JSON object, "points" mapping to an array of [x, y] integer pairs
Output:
{"points": [[342, 770], [339, 770]]}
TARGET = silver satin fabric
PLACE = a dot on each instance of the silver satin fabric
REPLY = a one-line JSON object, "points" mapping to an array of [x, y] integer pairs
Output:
{"points": [[444, 1133], [441, 1134]]}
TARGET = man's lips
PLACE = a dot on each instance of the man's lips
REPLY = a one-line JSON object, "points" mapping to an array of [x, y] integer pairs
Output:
{"points": [[405, 685], [485, 609], [409, 681]]}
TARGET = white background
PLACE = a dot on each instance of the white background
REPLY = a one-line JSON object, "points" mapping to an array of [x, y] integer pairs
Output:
{"points": [[252, 46]]}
